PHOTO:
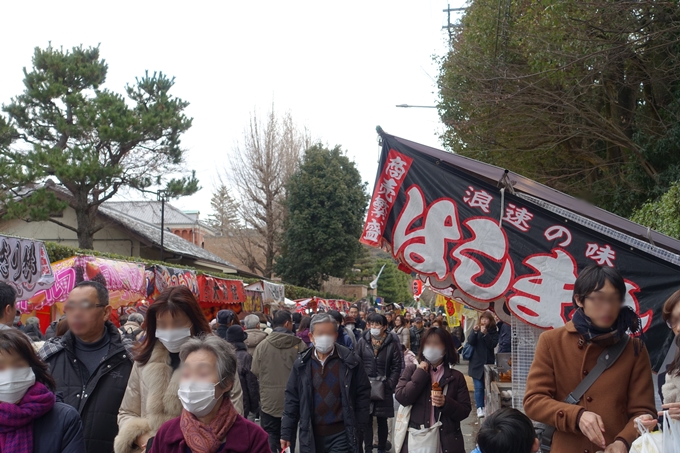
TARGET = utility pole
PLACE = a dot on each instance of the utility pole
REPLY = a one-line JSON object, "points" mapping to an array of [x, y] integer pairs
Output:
{"points": [[449, 26], [161, 197]]}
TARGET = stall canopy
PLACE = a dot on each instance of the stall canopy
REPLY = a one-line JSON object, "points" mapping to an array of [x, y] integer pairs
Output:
{"points": [[124, 280], [272, 293], [215, 290], [25, 266], [159, 277], [500, 239]]}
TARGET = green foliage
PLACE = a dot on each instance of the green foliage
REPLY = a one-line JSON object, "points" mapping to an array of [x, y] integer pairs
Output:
{"points": [[363, 270], [325, 211], [663, 214], [94, 141], [393, 284], [225, 210], [581, 96]]}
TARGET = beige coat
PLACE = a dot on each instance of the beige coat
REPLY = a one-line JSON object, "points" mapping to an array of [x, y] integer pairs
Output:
{"points": [[622, 393], [255, 337], [151, 399], [671, 389]]}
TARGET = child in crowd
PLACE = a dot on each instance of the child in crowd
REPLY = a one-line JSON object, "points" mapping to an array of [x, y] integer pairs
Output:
{"points": [[507, 431]]}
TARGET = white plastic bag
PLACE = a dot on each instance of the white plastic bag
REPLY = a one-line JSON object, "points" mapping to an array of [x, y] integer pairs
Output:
{"points": [[671, 434], [648, 442]]}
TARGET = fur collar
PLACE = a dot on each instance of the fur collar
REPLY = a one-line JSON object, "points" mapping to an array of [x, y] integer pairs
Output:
{"points": [[162, 385]]}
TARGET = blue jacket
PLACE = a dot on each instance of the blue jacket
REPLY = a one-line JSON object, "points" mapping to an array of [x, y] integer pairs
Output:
{"points": [[60, 430]]}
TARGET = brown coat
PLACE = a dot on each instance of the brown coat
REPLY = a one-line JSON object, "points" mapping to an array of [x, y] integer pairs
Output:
{"points": [[622, 393]]}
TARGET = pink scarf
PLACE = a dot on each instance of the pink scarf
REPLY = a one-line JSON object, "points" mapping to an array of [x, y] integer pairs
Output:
{"points": [[16, 420]]}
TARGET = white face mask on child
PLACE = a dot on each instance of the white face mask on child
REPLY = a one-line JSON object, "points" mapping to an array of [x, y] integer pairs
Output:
{"points": [[14, 383]]}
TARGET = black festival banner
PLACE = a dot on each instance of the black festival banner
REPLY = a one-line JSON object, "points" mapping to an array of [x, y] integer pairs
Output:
{"points": [[458, 232]]}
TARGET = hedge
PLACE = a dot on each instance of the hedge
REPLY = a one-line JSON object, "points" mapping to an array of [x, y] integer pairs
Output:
{"points": [[58, 252]]}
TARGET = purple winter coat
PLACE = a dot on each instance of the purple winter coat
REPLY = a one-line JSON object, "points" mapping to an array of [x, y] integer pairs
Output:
{"points": [[243, 437]]}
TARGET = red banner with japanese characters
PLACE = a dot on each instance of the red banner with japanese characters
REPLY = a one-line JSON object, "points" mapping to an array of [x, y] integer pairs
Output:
{"points": [[457, 231], [220, 291]]}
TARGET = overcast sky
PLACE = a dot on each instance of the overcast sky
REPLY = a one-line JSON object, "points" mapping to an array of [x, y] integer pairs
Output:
{"points": [[339, 67]]}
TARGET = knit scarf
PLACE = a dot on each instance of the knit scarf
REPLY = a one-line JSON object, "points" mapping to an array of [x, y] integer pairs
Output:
{"points": [[627, 321], [377, 343], [16, 420], [203, 438]]}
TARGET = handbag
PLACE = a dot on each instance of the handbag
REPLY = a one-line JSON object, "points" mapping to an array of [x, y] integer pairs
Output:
{"points": [[377, 389], [468, 351], [426, 439], [608, 357]]}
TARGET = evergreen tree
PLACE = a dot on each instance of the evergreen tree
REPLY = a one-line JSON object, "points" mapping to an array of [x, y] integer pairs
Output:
{"points": [[393, 285], [325, 211], [225, 210], [95, 142]]}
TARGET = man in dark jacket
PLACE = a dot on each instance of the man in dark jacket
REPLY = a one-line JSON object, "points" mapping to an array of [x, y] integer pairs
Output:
{"points": [[90, 364], [504, 335], [272, 363], [328, 394], [225, 319], [417, 330]]}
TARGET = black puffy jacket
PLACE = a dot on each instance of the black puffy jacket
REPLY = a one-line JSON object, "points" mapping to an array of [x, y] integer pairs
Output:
{"points": [[249, 382], [98, 399], [484, 344], [387, 365], [299, 402]]}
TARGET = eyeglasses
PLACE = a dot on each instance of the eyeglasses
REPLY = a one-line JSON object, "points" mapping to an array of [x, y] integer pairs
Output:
{"points": [[81, 306]]}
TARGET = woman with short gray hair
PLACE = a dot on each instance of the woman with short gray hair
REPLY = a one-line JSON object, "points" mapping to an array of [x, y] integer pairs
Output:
{"points": [[209, 422]]}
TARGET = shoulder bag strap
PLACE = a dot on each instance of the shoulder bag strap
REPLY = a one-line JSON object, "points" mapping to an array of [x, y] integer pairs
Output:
{"points": [[608, 357]]}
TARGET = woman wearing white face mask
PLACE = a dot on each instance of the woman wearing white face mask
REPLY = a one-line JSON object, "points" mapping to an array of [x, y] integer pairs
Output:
{"points": [[448, 402], [31, 420], [381, 355], [151, 395], [209, 423]]}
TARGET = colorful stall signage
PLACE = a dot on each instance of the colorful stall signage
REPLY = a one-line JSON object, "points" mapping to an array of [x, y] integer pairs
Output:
{"points": [[253, 301], [25, 266], [215, 290], [124, 280], [159, 277], [456, 230]]}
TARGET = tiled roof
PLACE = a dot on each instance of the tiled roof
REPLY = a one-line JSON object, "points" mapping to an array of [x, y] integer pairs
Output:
{"points": [[171, 241], [150, 212]]}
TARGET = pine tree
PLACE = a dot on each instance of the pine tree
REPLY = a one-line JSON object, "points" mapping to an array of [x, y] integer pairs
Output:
{"points": [[225, 215], [393, 285], [95, 142]]}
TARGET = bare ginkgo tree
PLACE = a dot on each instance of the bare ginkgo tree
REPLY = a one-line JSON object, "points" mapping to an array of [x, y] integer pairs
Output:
{"points": [[261, 165]]}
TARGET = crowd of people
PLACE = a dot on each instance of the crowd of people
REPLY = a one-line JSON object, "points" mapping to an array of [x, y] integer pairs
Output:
{"points": [[172, 382]]}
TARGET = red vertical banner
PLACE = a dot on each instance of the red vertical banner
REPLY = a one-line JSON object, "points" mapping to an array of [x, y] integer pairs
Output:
{"points": [[384, 195]]}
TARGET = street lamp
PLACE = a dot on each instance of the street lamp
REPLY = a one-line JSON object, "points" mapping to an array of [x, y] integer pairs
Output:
{"points": [[407, 106]]}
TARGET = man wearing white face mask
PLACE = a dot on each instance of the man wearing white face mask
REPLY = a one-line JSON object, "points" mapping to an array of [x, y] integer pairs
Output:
{"points": [[91, 364], [328, 394]]}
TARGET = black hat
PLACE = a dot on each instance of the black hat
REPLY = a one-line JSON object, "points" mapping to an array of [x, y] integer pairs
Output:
{"points": [[225, 317], [235, 334]]}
